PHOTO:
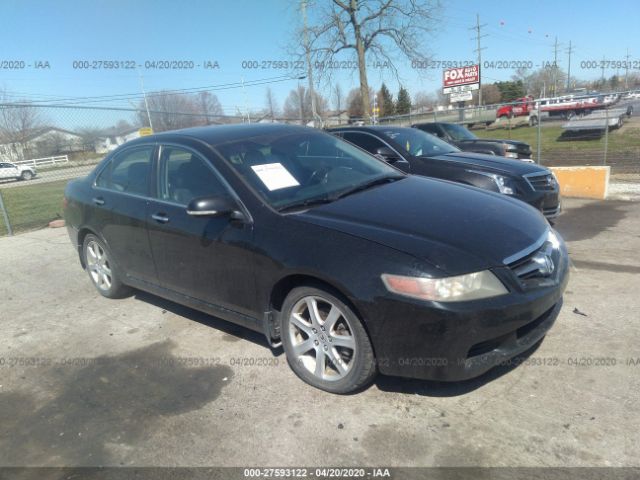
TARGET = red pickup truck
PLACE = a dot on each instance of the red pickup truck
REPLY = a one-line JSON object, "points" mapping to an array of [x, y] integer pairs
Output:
{"points": [[520, 107]]}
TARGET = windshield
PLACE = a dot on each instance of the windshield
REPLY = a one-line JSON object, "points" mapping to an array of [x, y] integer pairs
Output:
{"points": [[299, 168], [419, 143], [458, 132]]}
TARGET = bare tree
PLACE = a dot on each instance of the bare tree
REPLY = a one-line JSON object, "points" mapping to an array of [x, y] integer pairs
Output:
{"points": [[295, 106], [272, 107], [19, 121], [209, 106], [424, 101], [170, 111], [90, 136], [371, 30]]}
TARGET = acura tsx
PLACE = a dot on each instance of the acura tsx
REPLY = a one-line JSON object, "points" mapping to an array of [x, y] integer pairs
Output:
{"points": [[352, 265]]}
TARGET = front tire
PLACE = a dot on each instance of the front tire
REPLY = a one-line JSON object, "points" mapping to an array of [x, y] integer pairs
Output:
{"points": [[325, 342], [26, 175], [101, 269]]}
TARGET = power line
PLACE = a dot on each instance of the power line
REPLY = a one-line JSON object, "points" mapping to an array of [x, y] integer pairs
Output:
{"points": [[137, 96]]}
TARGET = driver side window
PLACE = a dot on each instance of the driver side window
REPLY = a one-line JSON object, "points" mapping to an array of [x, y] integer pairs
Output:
{"points": [[184, 175]]}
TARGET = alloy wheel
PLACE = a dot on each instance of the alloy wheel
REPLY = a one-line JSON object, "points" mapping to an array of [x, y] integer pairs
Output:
{"points": [[99, 266], [322, 339]]}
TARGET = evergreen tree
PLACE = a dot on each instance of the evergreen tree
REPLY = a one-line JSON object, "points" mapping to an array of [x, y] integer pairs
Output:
{"points": [[403, 105], [385, 102]]}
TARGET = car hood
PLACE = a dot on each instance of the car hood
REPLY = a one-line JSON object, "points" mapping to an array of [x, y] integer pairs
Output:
{"points": [[492, 163], [456, 228]]}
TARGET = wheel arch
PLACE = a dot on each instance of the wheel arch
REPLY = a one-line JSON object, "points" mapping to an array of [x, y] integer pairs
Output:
{"points": [[286, 284]]}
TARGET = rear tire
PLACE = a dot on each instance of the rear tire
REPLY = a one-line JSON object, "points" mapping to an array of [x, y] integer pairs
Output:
{"points": [[325, 342], [101, 268]]}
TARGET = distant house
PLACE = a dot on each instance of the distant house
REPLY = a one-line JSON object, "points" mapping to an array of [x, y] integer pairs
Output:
{"points": [[335, 118], [41, 142], [113, 139]]}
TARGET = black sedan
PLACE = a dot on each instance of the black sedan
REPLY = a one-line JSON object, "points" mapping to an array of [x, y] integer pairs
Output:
{"points": [[355, 267], [421, 153], [465, 140]]}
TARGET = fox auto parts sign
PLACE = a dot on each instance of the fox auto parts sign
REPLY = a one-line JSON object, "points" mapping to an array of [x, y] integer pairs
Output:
{"points": [[461, 79]]}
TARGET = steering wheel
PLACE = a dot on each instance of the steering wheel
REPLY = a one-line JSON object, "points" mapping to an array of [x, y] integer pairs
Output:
{"points": [[319, 176]]}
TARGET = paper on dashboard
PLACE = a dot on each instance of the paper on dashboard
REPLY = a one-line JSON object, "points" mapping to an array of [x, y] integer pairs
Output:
{"points": [[275, 176]]}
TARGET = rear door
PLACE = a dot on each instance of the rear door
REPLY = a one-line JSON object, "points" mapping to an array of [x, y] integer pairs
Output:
{"points": [[207, 258], [120, 198]]}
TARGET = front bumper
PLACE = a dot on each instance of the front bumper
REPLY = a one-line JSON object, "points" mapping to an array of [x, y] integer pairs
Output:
{"points": [[548, 202], [453, 342]]}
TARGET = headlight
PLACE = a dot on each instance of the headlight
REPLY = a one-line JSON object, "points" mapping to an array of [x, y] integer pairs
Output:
{"points": [[471, 286], [505, 184]]}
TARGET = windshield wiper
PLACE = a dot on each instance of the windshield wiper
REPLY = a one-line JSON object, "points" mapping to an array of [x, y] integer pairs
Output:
{"points": [[367, 185], [306, 203]]}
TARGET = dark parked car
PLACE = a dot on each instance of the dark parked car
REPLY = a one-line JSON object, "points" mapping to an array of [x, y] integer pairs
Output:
{"points": [[354, 266], [417, 152], [466, 141]]}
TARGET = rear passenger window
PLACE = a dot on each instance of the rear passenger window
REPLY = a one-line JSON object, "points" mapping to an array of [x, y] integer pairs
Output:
{"points": [[185, 175], [128, 172]]}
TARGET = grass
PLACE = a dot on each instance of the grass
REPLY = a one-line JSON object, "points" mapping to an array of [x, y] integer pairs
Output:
{"points": [[33, 206], [622, 143]]}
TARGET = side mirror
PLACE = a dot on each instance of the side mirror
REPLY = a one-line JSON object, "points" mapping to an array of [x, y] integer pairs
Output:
{"points": [[216, 206], [387, 154]]}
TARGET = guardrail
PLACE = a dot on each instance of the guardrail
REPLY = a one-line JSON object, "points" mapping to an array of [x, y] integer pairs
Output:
{"points": [[44, 161]]}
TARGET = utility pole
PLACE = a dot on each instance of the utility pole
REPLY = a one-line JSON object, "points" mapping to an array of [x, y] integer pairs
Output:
{"points": [[603, 57], [478, 50], [317, 121], [246, 101], [555, 67], [569, 51], [146, 104], [626, 71]]}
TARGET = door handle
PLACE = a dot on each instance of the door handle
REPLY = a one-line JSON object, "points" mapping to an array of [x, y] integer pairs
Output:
{"points": [[160, 217], [98, 200]]}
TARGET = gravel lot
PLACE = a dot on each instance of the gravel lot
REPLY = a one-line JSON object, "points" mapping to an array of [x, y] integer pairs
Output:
{"points": [[145, 382]]}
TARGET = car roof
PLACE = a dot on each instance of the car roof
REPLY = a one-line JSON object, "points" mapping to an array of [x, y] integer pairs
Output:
{"points": [[216, 134], [368, 128]]}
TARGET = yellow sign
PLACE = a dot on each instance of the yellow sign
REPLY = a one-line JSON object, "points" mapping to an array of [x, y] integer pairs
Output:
{"points": [[144, 131]]}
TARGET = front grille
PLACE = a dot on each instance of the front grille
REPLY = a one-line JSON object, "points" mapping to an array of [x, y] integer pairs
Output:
{"points": [[537, 268], [541, 182]]}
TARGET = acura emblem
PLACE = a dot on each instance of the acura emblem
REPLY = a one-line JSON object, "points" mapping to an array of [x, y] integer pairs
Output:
{"points": [[545, 263]]}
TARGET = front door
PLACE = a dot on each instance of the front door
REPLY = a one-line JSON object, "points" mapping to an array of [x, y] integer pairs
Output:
{"points": [[207, 258]]}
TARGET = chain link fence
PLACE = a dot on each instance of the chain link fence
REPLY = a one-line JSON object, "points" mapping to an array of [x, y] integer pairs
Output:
{"points": [[563, 138], [43, 147]]}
